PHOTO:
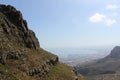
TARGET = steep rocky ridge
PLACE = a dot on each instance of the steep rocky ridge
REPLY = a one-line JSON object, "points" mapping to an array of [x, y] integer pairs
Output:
{"points": [[21, 57], [15, 28]]}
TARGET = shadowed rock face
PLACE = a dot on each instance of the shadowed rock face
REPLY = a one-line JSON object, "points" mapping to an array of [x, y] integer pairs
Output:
{"points": [[14, 28]]}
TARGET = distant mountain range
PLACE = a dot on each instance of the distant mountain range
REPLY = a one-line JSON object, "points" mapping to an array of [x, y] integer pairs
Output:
{"points": [[109, 65]]}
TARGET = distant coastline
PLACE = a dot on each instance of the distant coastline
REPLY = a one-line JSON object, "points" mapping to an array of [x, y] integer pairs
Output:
{"points": [[75, 56]]}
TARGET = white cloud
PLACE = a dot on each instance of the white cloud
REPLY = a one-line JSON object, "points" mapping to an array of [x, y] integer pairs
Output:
{"points": [[108, 18], [110, 22], [97, 17], [111, 7]]}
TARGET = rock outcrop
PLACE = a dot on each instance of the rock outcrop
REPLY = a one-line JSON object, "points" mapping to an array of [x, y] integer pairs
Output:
{"points": [[21, 57], [13, 25]]}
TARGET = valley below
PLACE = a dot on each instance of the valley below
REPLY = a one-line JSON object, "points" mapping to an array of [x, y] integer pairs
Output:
{"points": [[106, 68]]}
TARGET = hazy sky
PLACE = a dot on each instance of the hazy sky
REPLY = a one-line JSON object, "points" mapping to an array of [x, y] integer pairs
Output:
{"points": [[72, 23]]}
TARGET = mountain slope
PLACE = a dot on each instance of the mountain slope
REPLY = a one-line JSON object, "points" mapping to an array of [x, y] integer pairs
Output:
{"points": [[103, 67], [21, 57]]}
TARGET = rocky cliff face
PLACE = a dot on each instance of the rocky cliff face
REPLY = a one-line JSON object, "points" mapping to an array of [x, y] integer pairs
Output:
{"points": [[21, 57], [14, 28]]}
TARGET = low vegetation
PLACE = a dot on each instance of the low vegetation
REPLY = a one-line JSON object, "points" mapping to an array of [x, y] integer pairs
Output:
{"points": [[21, 57]]}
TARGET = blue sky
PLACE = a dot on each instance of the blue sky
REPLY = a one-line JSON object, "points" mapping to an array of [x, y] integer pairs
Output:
{"points": [[72, 23]]}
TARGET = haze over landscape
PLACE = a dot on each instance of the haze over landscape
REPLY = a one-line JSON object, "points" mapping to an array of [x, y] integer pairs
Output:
{"points": [[79, 40], [72, 23]]}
